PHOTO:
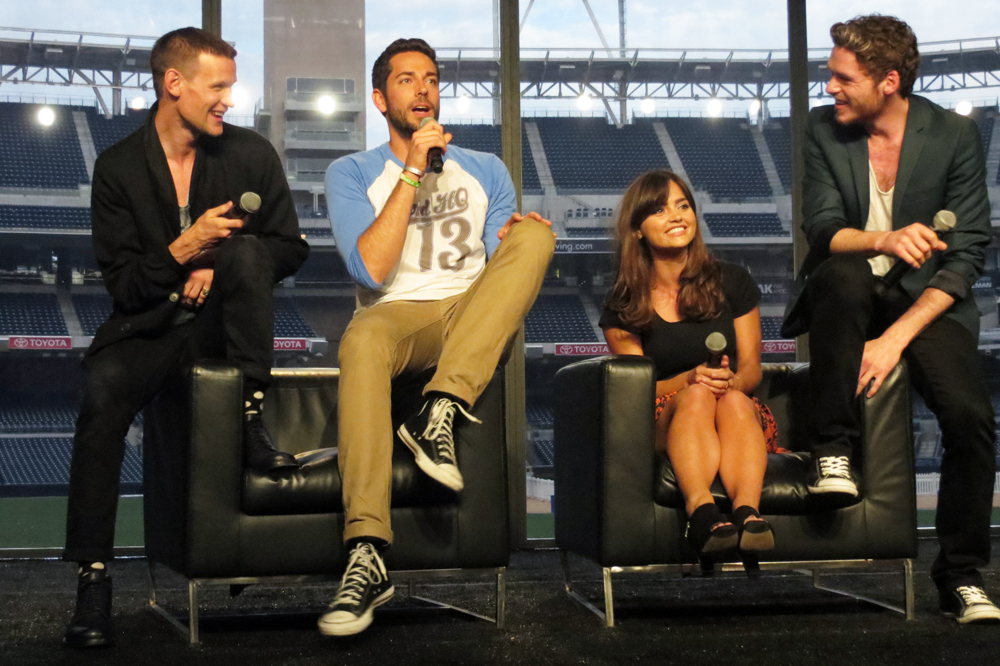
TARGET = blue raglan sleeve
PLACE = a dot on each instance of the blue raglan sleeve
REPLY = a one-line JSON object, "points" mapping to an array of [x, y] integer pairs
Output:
{"points": [[351, 213], [500, 192]]}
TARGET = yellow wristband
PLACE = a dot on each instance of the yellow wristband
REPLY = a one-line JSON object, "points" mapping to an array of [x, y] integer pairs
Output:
{"points": [[409, 181]]}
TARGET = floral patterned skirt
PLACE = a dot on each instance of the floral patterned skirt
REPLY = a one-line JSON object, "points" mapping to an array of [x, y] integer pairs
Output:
{"points": [[769, 425]]}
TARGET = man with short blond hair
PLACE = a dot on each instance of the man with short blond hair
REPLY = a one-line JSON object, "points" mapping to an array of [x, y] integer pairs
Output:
{"points": [[880, 163]]}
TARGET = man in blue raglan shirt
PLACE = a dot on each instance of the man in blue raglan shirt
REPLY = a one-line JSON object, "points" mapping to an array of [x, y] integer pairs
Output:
{"points": [[417, 244]]}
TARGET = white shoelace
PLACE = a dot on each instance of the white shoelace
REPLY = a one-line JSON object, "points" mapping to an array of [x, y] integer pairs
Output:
{"points": [[439, 425], [839, 466], [973, 595], [364, 566]]}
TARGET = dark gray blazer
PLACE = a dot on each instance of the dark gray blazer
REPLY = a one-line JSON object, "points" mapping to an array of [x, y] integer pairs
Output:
{"points": [[941, 167]]}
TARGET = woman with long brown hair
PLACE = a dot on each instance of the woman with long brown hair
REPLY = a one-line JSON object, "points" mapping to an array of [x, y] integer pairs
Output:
{"points": [[669, 296]]}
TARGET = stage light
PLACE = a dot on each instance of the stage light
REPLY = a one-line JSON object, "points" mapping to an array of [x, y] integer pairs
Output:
{"points": [[647, 106], [137, 103], [584, 102], [239, 96], [963, 108], [463, 104], [46, 116], [755, 107], [326, 105], [714, 107], [814, 102]]}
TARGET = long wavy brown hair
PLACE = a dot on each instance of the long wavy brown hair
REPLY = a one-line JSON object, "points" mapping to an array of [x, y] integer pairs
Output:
{"points": [[700, 296]]}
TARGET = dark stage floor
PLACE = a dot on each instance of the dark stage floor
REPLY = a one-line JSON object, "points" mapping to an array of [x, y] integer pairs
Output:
{"points": [[777, 620]]}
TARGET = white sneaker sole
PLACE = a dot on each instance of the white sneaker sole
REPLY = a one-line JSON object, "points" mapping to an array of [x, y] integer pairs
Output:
{"points": [[329, 628], [446, 475], [834, 486], [985, 616]]}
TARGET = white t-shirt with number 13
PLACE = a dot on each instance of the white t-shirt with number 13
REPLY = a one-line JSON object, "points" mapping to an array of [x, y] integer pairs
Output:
{"points": [[453, 222]]}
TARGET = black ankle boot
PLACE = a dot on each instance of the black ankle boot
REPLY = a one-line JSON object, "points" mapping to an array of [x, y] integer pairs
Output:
{"points": [[261, 455], [91, 623]]}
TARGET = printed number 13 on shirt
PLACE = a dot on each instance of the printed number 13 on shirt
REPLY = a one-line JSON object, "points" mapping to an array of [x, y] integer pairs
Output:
{"points": [[455, 231]]}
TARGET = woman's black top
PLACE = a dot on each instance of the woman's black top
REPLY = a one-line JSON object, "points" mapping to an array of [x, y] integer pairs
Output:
{"points": [[676, 347]]}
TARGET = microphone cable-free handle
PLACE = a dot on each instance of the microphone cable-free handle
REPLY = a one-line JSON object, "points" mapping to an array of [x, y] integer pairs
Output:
{"points": [[944, 221], [435, 160], [716, 344]]}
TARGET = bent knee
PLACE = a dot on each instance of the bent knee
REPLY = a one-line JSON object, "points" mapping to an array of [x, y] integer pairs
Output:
{"points": [[534, 235], [695, 396]]}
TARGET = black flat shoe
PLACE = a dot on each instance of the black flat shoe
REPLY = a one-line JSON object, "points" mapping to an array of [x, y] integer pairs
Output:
{"points": [[261, 454], [91, 623], [756, 536], [710, 532]]}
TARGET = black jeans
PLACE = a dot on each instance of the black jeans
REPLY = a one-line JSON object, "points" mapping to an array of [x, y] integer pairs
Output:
{"points": [[236, 323], [946, 370]]}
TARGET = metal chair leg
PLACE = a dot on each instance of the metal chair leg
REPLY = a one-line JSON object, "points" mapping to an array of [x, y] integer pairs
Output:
{"points": [[609, 602], [908, 587], [501, 612], [193, 611]]}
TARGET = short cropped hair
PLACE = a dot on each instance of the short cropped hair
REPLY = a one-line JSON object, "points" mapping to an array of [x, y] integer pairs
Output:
{"points": [[881, 44], [179, 48], [381, 69]]}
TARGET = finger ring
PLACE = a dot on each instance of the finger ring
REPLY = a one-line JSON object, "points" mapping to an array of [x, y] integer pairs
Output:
{"points": [[204, 292]]}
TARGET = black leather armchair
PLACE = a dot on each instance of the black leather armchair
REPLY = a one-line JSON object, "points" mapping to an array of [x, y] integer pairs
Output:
{"points": [[618, 503], [214, 522]]}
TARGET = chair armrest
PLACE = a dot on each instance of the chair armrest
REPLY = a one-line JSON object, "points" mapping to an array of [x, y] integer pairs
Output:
{"points": [[886, 464], [193, 469], [604, 458]]}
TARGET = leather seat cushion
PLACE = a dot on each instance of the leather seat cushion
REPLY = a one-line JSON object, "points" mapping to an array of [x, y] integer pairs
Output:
{"points": [[784, 491], [316, 487]]}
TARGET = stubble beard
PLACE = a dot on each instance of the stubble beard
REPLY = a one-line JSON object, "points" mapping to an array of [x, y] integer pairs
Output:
{"points": [[405, 128]]}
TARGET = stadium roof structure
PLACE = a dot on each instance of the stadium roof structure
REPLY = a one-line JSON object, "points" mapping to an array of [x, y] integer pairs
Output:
{"points": [[615, 75], [611, 74], [87, 59]]}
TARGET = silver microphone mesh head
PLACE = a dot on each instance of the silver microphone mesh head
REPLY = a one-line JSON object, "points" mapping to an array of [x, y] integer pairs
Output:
{"points": [[716, 342], [945, 220], [250, 202]]}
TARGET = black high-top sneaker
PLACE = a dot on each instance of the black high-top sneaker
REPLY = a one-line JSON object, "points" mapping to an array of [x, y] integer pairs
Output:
{"points": [[364, 587], [428, 434]]}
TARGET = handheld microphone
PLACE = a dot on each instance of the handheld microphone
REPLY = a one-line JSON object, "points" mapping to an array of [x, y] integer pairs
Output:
{"points": [[248, 204], [716, 344], [435, 160], [944, 221]]}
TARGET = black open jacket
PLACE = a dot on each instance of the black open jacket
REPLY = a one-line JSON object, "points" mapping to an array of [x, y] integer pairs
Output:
{"points": [[135, 217]]}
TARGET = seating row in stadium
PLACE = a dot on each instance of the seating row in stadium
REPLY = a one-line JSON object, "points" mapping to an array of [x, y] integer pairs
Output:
{"points": [[40, 314]]}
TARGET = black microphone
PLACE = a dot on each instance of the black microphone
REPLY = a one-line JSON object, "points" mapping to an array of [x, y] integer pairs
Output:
{"points": [[435, 160], [944, 221], [248, 204], [716, 344]]}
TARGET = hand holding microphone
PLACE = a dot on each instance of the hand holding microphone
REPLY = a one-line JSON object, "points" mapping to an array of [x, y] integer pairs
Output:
{"points": [[428, 143], [914, 245], [714, 374]]}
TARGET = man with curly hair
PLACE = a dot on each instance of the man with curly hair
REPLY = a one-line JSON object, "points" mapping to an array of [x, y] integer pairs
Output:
{"points": [[880, 163]]}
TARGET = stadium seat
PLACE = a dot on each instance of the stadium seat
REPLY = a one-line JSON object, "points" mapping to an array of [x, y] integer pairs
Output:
{"points": [[31, 314], [719, 156], [588, 154], [558, 318], [35, 156]]}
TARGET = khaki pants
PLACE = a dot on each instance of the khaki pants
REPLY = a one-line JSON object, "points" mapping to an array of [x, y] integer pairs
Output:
{"points": [[463, 335]]}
